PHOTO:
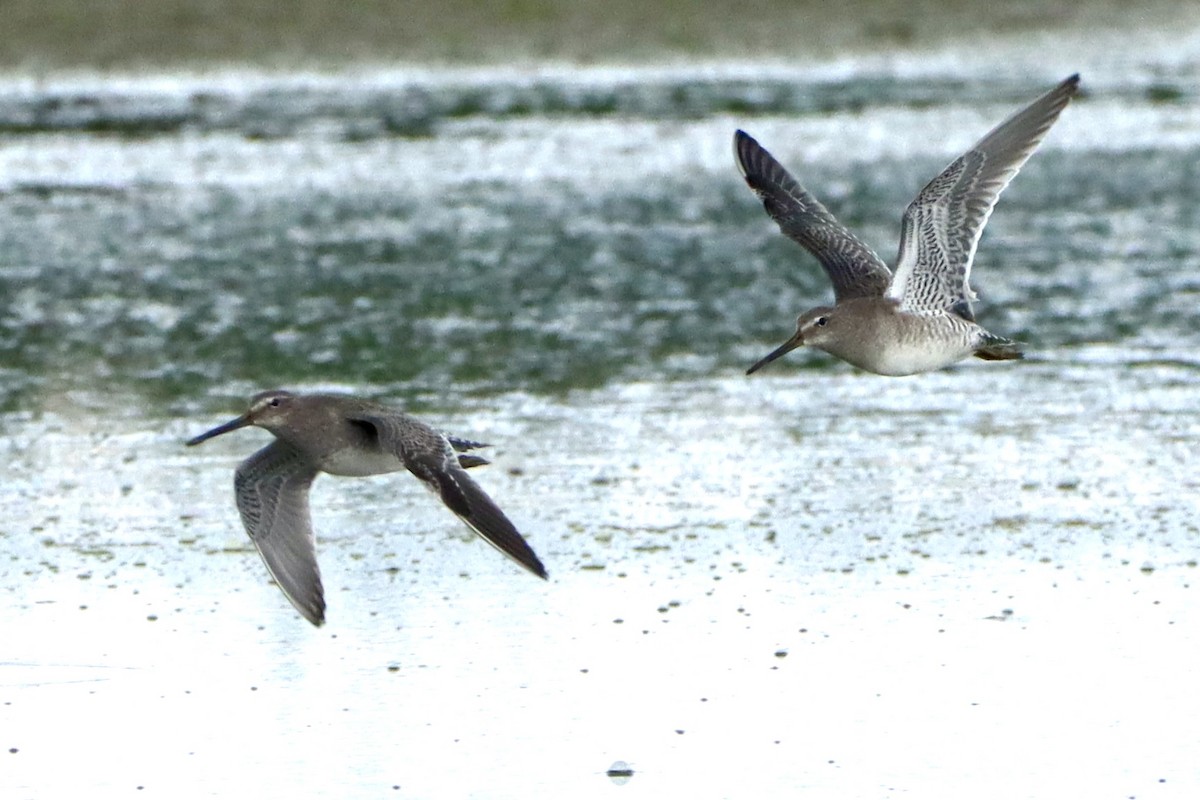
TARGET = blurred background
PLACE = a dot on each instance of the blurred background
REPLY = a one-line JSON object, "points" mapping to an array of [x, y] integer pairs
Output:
{"points": [[522, 222], [125, 34]]}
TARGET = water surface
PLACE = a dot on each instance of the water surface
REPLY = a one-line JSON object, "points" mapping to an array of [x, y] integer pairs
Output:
{"points": [[813, 581]]}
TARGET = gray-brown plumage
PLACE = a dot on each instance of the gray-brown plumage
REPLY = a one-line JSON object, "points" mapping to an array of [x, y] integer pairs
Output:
{"points": [[344, 435], [919, 319]]}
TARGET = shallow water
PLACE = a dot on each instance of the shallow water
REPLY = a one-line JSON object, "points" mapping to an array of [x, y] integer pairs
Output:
{"points": [[971, 583]]}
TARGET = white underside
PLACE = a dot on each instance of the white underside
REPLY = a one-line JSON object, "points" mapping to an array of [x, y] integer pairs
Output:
{"points": [[359, 463], [901, 357], [903, 360]]}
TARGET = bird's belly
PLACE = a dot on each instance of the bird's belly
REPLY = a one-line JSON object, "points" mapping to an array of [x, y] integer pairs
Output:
{"points": [[901, 359], [913, 345], [357, 463]]}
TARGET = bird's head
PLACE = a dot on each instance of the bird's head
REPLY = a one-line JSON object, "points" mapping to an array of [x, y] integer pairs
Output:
{"points": [[267, 410], [813, 328]]}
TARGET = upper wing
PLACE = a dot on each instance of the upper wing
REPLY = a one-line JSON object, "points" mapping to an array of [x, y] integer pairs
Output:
{"points": [[272, 495], [941, 227], [431, 457], [853, 267]]}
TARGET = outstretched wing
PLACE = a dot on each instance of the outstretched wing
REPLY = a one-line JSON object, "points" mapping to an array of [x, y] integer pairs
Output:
{"points": [[431, 457], [271, 487], [942, 226], [853, 267]]}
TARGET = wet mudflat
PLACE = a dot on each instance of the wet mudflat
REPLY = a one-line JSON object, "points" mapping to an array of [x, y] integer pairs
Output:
{"points": [[971, 583]]}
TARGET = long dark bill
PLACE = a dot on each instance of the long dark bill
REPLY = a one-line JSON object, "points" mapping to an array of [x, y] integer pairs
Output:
{"points": [[232, 425], [787, 347]]}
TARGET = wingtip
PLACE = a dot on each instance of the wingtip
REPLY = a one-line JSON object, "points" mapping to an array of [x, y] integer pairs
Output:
{"points": [[742, 141], [527, 559], [315, 613], [523, 557]]}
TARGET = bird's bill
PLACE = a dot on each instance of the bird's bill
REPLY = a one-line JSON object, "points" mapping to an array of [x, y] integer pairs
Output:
{"points": [[232, 425], [791, 344]]}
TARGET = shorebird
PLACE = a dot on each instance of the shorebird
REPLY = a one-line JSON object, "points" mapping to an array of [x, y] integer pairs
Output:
{"points": [[919, 319], [344, 435]]}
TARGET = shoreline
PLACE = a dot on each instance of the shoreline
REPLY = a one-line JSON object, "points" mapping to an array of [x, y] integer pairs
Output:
{"points": [[126, 36]]}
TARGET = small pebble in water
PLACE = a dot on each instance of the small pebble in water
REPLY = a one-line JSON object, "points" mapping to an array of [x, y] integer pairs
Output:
{"points": [[620, 773]]}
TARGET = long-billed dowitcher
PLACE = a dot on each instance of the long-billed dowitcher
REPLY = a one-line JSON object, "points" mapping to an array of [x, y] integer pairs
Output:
{"points": [[344, 435], [919, 319]]}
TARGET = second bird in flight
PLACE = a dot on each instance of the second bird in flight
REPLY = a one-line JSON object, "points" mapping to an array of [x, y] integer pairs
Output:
{"points": [[919, 319]]}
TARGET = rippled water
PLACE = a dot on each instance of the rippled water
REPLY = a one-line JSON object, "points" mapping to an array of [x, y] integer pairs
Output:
{"points": [[539, 233], [972, 583]]}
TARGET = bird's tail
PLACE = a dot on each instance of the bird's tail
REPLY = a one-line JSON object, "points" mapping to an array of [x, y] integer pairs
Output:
{"points": [[997, 348]]}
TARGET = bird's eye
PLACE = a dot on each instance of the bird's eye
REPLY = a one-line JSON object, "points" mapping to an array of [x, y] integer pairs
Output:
{"points": [[820, 323], [275, 402]]}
